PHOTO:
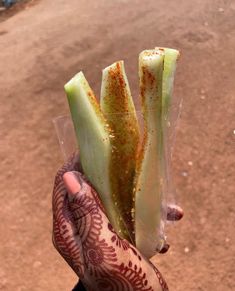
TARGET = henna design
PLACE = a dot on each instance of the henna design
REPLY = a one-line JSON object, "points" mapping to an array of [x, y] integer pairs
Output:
{"points": [[97, 200], [160, 278], [84, 237], [98, 255], [63, 237], [86, 216], [134, 251], [136, 277], [121, 243], [128, 278], [99, 259]]}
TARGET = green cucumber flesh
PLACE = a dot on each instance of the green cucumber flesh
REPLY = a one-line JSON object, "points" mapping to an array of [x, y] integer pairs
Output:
{"points": [[93, 137]]}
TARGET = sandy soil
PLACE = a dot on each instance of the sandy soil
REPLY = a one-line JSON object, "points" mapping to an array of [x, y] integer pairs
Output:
{"points": [[45, 45]]}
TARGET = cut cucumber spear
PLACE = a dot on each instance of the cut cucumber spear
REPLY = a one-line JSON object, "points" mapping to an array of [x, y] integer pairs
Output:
{"points": [[118, 107], [93, 137], [149, 165]]}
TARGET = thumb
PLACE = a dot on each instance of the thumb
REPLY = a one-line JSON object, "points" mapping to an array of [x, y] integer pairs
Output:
{"points": [[72, 181]]}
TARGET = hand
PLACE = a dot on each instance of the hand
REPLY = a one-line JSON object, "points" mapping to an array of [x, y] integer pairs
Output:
{"points": [[86, 240]]}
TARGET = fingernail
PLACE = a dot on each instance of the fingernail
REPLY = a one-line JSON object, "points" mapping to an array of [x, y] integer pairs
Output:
{"points": [[174, 212], [165, 248], [71, 182]]}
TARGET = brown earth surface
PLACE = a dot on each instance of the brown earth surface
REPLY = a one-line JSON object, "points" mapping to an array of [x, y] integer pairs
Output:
{"points": [[42, 47]]}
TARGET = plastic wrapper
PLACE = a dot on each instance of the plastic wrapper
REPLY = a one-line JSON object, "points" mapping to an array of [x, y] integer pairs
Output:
{"points": [[67, 141]]}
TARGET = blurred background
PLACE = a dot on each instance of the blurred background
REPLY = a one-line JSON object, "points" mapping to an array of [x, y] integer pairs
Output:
{"points": [[43, 44]]}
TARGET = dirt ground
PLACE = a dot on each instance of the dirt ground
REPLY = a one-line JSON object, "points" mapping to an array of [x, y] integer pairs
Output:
{"points": [[42, 47]]}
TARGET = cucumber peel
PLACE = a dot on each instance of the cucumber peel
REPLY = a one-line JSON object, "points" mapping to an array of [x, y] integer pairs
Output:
{"points": [[170, 60], [118, 107]]}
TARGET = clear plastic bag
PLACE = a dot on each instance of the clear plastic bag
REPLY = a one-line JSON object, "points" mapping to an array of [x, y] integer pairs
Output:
{"points": [[67, 140], [66, 135]]}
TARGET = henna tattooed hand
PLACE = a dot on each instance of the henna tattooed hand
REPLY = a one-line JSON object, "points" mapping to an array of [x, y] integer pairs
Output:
{"points": [[85, 238]]}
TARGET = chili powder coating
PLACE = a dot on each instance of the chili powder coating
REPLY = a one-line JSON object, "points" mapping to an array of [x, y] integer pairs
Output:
{"points": [[117, 106]]}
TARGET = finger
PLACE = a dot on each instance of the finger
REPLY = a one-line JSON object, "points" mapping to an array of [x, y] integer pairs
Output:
{"points": [[69, 246], [163, 247], [174, 212], [72, 182], [59, 191], [64, 233]]}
